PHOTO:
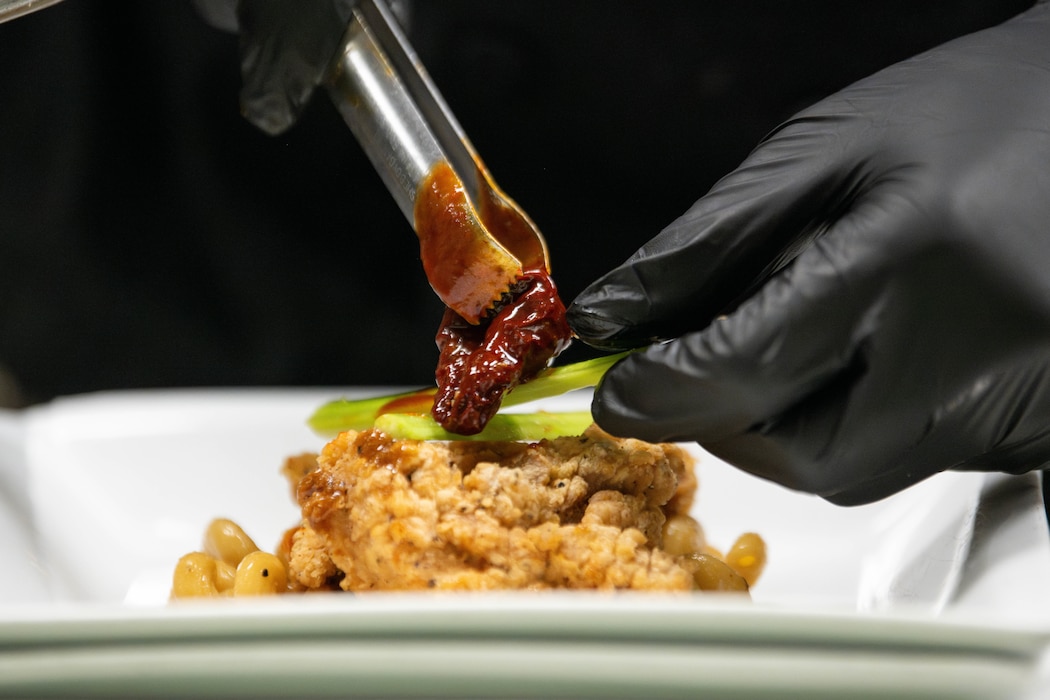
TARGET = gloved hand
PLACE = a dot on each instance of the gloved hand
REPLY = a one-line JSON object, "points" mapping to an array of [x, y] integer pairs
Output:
{"points": [[286, 47], [865, 301]]}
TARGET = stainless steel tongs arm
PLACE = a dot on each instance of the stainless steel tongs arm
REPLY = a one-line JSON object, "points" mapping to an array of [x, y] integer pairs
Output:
{"points": [[393, 107], [10, 9], [409, 133]]}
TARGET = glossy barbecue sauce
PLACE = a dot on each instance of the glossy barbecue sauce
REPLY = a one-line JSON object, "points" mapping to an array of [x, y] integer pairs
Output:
{"points": [[483, 358]]}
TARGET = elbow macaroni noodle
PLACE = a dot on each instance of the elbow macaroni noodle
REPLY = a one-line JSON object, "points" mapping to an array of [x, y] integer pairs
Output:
{"points": [[230, 565]]}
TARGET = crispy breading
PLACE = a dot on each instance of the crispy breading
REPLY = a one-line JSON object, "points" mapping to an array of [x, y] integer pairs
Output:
{"points": [[580, 512], [296, 467]]}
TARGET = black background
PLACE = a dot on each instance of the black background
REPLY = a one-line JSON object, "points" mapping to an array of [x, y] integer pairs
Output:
{"points": [[150, 237]]}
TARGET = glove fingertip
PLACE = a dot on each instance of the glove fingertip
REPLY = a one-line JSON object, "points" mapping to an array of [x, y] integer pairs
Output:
{"points": [[595, 327], [271, 112], [613, 419], [605, 315], [629, 402], [276, 87], [221, 14]]}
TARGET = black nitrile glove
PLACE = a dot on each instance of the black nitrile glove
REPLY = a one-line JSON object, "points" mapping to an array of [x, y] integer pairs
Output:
{"points": [[286, 47], [865, 301]]}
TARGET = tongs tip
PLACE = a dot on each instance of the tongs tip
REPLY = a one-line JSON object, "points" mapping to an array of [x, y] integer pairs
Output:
{"points": [[475, 250], [475, 242]]}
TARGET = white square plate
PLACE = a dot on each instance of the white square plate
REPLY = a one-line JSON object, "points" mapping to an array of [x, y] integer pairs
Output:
{"points": [[937, 592]]}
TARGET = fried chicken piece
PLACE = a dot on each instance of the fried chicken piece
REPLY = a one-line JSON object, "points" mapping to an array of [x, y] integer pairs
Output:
{"points": [[580, 512]]}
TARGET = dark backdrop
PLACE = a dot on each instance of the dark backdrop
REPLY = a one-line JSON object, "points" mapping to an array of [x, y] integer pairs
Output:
{"points": [[149, 237]]}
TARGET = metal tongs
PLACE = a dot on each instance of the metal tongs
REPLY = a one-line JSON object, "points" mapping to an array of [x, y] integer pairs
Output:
{"points": [[10, 9], [475, 242]]}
